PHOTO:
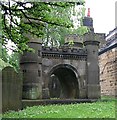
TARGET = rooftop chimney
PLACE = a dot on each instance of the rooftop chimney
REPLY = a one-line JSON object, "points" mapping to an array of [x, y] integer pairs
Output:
{"points": [[88, 14]]}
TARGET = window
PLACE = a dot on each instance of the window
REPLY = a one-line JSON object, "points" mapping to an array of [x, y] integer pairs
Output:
{"points": [[24, 71], [39, 73], [39, 53]]}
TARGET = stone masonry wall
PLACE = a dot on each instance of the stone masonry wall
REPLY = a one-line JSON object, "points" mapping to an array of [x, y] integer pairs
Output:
{"points": [[108, 72]]}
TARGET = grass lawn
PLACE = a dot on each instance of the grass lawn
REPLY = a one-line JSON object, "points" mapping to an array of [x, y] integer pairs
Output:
{"points": [[82, 110]]}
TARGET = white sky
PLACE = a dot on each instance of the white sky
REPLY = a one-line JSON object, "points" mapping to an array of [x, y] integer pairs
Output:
{"points": [[103, 14]]}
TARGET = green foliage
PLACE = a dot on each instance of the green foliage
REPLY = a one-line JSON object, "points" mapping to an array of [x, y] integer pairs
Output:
{"points": [[9, 59], [48, 20], [14, 60], [81, 30], [3, 64], [3, 58], [20, 18], [71, 42], [3, 54], [83, 110], [55, 35]]}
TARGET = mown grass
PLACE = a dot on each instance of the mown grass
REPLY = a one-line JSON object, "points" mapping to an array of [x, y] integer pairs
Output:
{"points": [[84, 110]]}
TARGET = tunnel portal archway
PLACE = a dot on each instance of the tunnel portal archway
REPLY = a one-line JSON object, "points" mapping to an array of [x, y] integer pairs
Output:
{"points": [[63, 82]]}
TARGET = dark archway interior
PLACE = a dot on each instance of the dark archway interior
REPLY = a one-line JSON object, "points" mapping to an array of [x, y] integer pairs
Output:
{"points": [[63, 84]]}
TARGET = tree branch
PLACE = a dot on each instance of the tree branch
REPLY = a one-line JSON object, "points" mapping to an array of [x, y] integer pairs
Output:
{"points": [[41, 20]]}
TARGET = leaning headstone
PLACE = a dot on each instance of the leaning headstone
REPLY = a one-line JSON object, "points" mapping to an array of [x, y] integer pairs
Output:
{"points": [[11, 89]]}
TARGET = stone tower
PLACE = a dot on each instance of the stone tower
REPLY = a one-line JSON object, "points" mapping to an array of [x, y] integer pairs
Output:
{"points": [[93, 86], [91, 43], [30, 64]]}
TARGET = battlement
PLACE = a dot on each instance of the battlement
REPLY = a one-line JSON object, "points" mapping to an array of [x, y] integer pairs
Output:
{"points": [[64, 49], [73, 37], [64, 52]]}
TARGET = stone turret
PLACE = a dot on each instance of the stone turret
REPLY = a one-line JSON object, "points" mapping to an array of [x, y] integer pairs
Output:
{"points": [[74, 41], [93, 87], [30, 64], [91, 43]]}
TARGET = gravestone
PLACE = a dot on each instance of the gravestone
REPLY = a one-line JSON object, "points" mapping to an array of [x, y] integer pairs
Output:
{"points": [[11, 89]]}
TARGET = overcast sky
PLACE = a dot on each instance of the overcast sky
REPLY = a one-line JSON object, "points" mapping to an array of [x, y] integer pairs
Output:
{"points": [[103, 14]]}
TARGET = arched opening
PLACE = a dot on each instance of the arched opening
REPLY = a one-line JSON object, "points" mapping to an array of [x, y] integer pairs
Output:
{"points": [[63, 82]]}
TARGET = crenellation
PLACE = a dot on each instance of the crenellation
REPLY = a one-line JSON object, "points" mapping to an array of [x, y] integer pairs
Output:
{"points": [[63, 51], [64, 56]]}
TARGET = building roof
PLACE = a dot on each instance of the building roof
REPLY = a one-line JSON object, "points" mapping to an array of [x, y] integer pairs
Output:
{"points": [[111, 43], [115, 29]]}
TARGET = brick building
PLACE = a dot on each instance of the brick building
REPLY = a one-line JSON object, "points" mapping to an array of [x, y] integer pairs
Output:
{"points": [[108, 65]]}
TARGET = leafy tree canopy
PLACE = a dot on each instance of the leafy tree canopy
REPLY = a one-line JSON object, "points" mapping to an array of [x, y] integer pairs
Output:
{"points": [[31, 17], [55, 35]]}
